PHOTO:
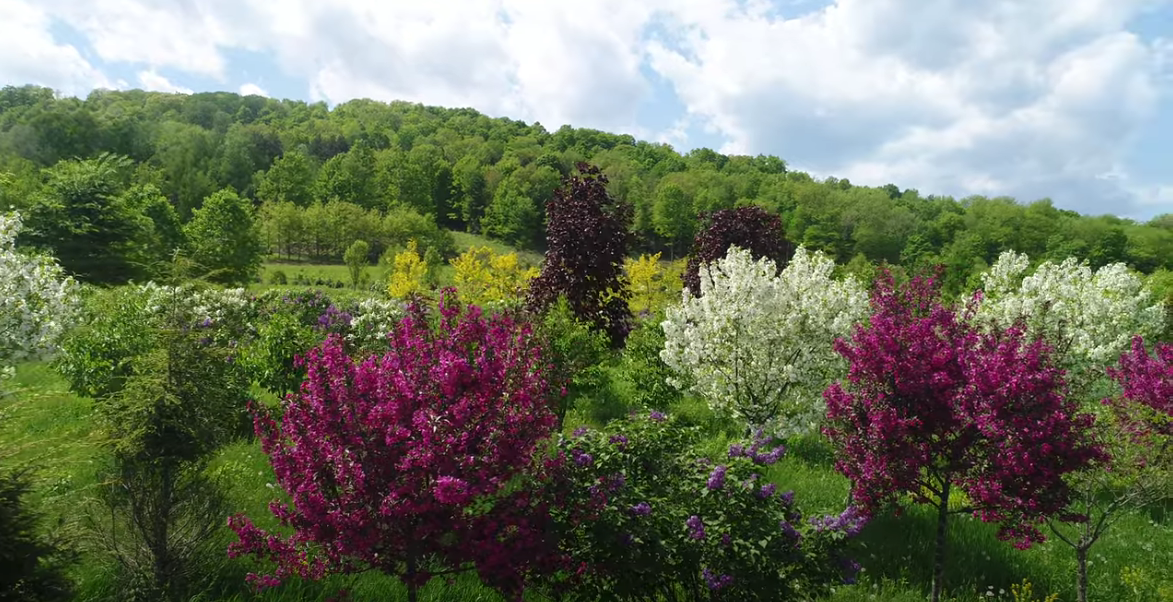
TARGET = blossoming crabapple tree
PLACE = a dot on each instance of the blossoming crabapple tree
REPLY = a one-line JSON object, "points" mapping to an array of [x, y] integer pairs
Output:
{"points": [[1091, 318], [37, 301], [403, 462], [758, 343], [932, 405]]}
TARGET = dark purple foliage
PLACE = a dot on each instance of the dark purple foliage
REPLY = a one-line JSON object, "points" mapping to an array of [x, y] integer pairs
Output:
{"points": [[587, 237], [751, 228]]}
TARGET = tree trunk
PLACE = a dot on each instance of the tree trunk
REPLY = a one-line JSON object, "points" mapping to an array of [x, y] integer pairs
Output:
{"points": [[939, 554], [1081, 561], [412, 588]]}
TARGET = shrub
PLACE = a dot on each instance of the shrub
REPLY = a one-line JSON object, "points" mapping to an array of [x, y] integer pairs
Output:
{"points": [[278, 277], [646, 517], [751, 228]]}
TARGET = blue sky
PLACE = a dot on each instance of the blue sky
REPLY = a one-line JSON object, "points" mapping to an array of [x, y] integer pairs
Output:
{"points": [[1065, 99]]}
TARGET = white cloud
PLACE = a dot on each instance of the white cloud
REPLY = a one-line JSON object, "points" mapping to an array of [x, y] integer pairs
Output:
{"points": [[998, 97], [29, 55], [149, 80], [1029, 99], [252, 89]]}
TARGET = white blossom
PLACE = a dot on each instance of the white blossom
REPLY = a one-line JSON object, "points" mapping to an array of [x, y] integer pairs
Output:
{"points": [[38, 302], [372, 320], [760, 346], [1089, 316]]}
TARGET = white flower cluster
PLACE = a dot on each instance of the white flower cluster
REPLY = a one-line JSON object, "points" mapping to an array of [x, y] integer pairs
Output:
{"points": [[38, 302], [760, 345], [1089, 316], [198, 304], [372, 320]]}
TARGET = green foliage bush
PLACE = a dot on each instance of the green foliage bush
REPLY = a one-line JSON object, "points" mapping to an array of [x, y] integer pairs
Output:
{"points": [[663, 522]]}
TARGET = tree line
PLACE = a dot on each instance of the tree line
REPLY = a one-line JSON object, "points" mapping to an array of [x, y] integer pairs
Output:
{"points": [[493, 176]]}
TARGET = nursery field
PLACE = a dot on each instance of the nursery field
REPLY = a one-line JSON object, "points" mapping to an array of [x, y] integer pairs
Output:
{"points": [[756, 422], [54, 430]]}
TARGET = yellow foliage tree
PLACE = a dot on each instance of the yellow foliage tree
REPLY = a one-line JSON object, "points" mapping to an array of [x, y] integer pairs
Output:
{"points": [[408, 273], [482, 276], [653, 283]]}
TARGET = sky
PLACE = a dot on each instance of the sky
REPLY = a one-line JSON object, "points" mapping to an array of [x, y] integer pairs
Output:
{"points": [[1070, 100]]}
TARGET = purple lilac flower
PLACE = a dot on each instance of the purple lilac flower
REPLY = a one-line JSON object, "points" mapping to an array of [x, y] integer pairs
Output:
{"points": [[618, 440], [789, 530], [618, 480], [767, 490], [851, 522], [715, 581], [658, 416], [850, 569], [736, 450], [582, 458], [787, 498], [207, 323], [580, 431], [641, 509], [696, 527], [717, 477], [726, 539]]}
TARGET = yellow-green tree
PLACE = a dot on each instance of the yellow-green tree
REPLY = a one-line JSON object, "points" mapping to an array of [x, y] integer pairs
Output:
{"points": [[482, 276], [408, 272], [653, 283]]}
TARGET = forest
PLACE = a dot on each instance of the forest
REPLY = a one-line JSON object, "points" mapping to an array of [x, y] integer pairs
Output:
{"points": [[309, 169], [254, 349]]}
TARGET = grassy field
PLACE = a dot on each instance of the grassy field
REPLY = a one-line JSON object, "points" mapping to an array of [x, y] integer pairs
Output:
{"points": [[335, 273], [43, 424]]}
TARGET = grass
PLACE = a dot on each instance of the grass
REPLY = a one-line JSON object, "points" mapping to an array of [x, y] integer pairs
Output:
{"points": [[43, 424]]}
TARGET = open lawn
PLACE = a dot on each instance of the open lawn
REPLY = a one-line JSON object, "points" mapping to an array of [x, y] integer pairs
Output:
{"points": [[46, 426]]}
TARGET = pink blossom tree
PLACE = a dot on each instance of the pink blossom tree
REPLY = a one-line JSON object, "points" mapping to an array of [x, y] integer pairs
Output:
{"points": [[409, 462], [931, 405]]}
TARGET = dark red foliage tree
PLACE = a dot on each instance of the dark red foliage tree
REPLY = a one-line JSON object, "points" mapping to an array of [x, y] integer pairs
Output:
{"points": [[588, 234], [408, 463], [932, 405], [751, 228]]}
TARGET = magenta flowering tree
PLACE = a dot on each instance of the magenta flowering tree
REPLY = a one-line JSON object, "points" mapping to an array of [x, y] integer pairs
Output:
{"points": [[932, 406], [404, 462]]}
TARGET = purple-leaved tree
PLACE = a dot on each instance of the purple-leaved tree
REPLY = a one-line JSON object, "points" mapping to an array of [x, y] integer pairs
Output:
{"points": [[587, 238], [932, 405], [404, 463], [751, 228]]}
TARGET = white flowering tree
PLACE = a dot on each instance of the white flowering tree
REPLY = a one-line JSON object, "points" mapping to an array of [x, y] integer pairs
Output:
{"points": [[37, 301], [1089, 316], [759, 345]]}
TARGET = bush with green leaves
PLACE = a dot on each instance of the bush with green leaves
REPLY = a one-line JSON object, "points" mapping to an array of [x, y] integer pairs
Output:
{"points": [[34, 566], [642, 368], [271, 357], [155, 512], [576, 352], [118, 326], [648, 517]]}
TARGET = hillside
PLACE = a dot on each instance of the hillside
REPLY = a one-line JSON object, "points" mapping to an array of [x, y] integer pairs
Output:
{"points": [[492, 177]]}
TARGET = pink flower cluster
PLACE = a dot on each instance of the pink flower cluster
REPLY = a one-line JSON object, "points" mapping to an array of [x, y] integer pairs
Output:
{"points": [[385, 458], [931, 403]]}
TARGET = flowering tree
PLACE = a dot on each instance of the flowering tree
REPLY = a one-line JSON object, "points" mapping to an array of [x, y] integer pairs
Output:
{"points": [[1137, 430], [402, 463], [587, 236], [37, 301], [751, 228], [757, 343], [1089, 317], [931, 405]]}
